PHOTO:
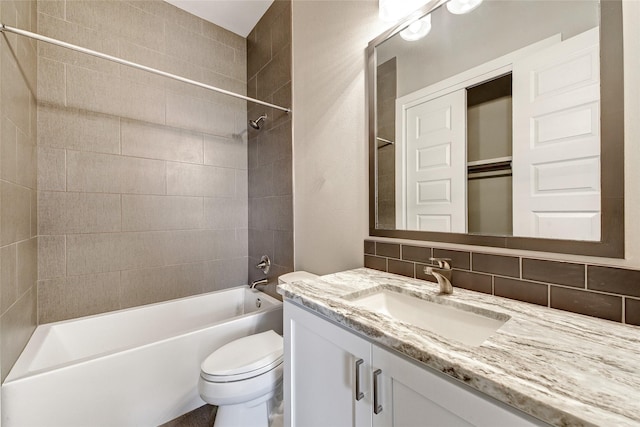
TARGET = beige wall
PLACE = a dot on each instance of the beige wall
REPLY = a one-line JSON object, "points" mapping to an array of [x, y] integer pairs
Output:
{"points": [[142, 181], [329, 132], [18, 165], [330, 136]]}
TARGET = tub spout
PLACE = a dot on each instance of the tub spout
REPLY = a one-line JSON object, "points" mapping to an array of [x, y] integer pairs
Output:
{"points": [[258, 283]]}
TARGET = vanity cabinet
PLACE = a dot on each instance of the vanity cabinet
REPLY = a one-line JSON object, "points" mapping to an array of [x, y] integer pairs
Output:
{"points": [[333, 377]]}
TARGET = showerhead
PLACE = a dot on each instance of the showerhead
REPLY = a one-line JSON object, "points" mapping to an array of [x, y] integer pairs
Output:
{"points": [[256, 123]]}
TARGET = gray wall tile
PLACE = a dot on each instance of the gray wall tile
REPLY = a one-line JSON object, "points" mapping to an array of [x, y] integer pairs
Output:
{"points": [[18, 182], [51, 169], [103, 173], [124, 169], [161, 284], [224, 152], [8, 150], [70, 297], [197, 180], [160, 142], [16, 326], [224, 274], [52, 82], [60, 127], [8, 278], [51, 257], [26, 157], [270, 178], [225, 212], [26, 265], [80, 35], [201, 115], [15, 213], [62, 213], [147, 213]]}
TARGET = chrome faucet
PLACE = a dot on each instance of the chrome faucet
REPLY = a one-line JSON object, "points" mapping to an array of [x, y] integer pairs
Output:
{"points": [[258, 283], [442, 274]]}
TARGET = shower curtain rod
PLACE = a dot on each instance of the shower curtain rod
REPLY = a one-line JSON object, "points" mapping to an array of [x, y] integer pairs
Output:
{"points": [[46, 39]]}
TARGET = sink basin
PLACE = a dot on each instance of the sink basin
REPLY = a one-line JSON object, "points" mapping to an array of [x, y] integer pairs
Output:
{"points": [[449, 322]]}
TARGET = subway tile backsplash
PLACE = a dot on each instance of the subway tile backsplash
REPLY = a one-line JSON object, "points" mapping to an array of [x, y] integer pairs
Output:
{"points": [[605, 292]]}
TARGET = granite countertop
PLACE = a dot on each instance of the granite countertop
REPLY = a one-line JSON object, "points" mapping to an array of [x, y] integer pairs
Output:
{"points": [[563, 368]]}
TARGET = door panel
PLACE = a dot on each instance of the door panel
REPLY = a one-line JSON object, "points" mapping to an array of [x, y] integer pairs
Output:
{"points": [[556, 149], [433, 172]]}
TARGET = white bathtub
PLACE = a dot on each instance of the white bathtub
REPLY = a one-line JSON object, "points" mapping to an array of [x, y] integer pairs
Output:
{"points": [[134, 367]]}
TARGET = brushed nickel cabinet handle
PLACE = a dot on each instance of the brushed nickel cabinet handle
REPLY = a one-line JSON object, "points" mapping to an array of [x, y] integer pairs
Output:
{"points": [[377, 407], [359, 394]]}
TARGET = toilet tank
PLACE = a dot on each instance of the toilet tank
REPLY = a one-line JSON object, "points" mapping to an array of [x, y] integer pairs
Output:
{"points": [[296, 276]]}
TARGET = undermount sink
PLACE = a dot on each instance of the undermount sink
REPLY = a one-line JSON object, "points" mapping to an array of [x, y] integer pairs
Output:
{"points": [[449, 322]]}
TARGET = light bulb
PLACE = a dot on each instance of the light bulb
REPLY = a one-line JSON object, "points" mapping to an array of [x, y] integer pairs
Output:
{"points": [[458, 7], [417, 30]]}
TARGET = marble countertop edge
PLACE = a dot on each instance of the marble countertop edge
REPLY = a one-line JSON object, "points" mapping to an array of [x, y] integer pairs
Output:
{"points": [[544, 399]]}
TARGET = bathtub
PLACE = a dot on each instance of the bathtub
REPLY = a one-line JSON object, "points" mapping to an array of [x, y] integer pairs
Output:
{"points": [[134, 367]]}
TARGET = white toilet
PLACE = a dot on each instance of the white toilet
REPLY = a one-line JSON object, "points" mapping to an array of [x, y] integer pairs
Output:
{"points": [[243, 376]]}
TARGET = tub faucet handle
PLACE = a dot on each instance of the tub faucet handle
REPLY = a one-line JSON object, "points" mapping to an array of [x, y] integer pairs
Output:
{"points": [[264, 264]]}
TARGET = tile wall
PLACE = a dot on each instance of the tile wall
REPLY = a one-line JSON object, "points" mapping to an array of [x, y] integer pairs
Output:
{"points": [[142, 180], [18, 165], [606, 292], [270, 174]]}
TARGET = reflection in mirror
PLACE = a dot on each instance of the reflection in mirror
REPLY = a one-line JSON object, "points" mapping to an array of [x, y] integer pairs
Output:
{"points": [[490, 124]]}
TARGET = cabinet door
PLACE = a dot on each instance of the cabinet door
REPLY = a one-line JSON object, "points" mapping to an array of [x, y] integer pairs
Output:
{"points": [[321, 366], [409, 395]]}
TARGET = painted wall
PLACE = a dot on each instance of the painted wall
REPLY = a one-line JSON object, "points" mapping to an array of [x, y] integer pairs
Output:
{"points": [[329, 132], [142, 180], [18, 166], [330, 135]]}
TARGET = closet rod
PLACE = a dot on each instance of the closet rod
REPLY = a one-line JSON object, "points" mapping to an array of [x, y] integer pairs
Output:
{"points": [[46, 39]]}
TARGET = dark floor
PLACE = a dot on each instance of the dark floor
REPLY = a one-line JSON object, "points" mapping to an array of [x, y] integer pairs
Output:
{"points": [[204, 416]]}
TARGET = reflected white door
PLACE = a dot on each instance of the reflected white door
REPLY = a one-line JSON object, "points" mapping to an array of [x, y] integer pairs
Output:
{"points": [[556, 150], [434, 164]]}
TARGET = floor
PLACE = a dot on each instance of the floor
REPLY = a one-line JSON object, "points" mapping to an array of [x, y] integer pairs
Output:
{"points": [[204, 416]]}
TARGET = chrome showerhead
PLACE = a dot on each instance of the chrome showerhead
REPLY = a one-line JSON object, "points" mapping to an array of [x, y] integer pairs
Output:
{"points": [[256, 123]]}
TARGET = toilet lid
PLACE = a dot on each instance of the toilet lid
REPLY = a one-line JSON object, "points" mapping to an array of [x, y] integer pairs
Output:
{"points": [[244, 358]]}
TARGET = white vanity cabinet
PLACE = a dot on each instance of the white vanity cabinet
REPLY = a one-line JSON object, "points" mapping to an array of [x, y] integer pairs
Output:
{"points": [[326, 369], [334, 377]]}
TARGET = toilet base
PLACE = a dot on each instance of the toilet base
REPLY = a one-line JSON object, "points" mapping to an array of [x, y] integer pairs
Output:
{"points": [[251, 414]]}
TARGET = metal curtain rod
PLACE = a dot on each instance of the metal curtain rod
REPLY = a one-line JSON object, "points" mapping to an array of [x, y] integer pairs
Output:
{"points": [[45, 39]]}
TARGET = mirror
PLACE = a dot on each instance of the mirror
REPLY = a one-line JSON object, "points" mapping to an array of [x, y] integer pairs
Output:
{"points": [[500, 127]]}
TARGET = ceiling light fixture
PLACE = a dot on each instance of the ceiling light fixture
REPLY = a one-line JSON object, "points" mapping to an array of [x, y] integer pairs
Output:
{"points": [[417, 30], [459, 7]]}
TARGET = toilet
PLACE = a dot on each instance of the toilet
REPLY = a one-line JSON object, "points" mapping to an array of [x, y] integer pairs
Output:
{"points": [[243, 377]]}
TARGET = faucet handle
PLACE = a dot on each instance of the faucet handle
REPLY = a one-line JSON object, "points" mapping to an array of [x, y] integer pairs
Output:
{"points": [[442, 262]]}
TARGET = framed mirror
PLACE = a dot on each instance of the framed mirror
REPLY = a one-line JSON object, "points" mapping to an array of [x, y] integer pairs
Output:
{"points": [[500, 127]]}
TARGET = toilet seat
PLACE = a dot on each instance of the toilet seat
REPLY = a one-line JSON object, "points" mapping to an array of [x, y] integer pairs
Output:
{"points": [[244, 358]]}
